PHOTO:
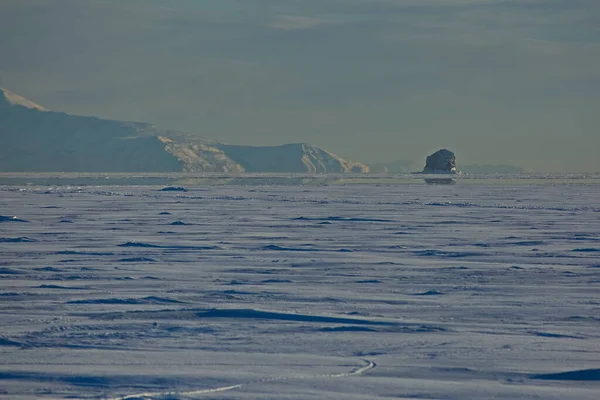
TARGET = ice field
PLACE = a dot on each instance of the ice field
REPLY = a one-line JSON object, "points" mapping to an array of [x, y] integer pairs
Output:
{"points": [[486, 290]]}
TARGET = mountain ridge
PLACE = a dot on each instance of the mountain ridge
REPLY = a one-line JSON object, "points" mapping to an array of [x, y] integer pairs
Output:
{"points": [[17, 100], [40, 140]]}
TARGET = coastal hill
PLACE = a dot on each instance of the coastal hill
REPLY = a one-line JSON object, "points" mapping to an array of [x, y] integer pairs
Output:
{"points": [[36, 139]]}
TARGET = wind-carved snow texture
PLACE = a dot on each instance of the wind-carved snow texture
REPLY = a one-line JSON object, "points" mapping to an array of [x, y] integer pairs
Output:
{"points": [[486, 291]]}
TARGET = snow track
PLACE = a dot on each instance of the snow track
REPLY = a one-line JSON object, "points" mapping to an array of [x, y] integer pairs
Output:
{"points": [[369, 365]]}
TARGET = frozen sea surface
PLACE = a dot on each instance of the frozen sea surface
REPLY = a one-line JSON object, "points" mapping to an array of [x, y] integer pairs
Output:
{"points": [[363, 291]]}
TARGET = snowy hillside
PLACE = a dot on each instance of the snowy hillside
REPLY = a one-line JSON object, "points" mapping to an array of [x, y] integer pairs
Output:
{"points": [[37, 140]]}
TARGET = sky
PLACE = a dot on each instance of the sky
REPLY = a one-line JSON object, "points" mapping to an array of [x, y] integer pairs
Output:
{"points": [[496, 81]]}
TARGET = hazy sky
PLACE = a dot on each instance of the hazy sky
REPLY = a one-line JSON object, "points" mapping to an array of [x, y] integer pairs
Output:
{"points": [[496, 81]]}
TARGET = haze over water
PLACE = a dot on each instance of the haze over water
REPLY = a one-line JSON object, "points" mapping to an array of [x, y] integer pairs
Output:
{"points": [[497, 82]]}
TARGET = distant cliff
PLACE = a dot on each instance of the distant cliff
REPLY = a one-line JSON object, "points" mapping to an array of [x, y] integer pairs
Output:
{"points": [[296, 157], [35, 139], [441, 162]]}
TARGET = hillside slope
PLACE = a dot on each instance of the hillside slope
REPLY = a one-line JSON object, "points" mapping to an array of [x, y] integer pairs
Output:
{"points": [[37, 140]]}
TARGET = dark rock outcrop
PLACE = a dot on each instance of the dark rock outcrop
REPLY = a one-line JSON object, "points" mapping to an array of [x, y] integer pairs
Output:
{"points": [[441, 162]]}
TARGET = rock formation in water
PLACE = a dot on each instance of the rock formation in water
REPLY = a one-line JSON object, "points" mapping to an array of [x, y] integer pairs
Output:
{"points": [[35, 139], [441, 162]]}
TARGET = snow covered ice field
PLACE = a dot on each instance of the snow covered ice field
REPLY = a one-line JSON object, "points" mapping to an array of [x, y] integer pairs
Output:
{"points": [[359, 291]]}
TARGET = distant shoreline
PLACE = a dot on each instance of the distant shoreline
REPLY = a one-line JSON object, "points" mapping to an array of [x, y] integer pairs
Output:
{"points": [[199, 179]]}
